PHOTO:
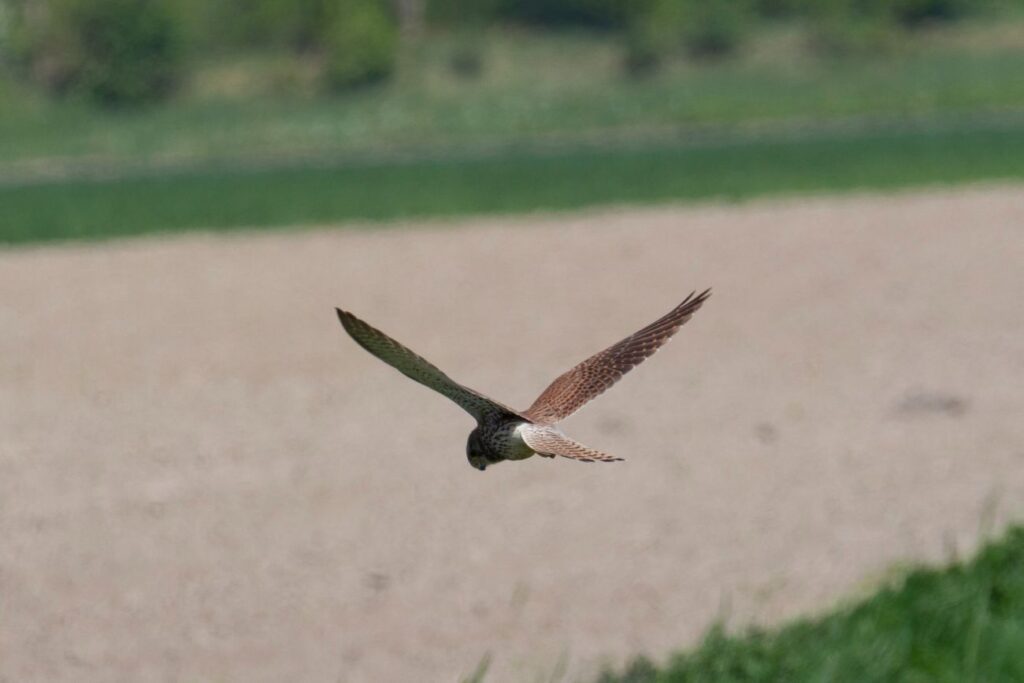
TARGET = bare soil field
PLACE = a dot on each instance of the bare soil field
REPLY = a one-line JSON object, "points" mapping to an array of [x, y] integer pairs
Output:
{"points": [[202, 478]]}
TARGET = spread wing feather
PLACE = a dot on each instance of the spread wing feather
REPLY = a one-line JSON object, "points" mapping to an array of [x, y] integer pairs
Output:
{"points": [[550, 442], [418, 368], [596, 374]]}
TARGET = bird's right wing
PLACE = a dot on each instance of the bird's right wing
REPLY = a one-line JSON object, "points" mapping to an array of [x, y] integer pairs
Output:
{"points": [[591, 377], [550, 442], [418, 368]]}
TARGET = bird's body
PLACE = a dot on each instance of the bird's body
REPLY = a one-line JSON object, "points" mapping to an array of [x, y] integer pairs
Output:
{"points": [[506, 434], [499, 438]]}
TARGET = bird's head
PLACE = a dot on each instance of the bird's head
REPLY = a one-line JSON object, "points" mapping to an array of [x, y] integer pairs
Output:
{"points": [[475, 451]]}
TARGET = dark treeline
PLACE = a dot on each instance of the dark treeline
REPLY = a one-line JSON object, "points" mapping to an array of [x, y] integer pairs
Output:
{"points": [[129, 51]]}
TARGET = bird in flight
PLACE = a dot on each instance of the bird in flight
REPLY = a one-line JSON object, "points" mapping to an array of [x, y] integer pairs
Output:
{"points": [[505, 434]]}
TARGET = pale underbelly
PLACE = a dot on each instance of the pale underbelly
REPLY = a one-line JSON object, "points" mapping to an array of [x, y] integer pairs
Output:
{"points": [[515, 448]]}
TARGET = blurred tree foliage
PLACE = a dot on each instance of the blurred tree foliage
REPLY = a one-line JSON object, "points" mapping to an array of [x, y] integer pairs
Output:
{"points": [[850, 27], [360, 41], [704, 29], [608, 13], [356, 40], [134, 51], [123, 52], [656, 29], [618, 14], [115, 51], [302, 25]]}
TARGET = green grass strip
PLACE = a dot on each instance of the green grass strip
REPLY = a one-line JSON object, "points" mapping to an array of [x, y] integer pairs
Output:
{"points": [[961, 624], [505, 183]]}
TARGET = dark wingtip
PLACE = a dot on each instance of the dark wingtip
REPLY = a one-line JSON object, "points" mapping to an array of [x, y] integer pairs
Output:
{"points": [[693, 299], [345, 317], [691, 303]]}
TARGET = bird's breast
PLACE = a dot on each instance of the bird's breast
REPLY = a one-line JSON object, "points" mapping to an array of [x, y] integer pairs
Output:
{"points": [[506, 442], [518, 450]]}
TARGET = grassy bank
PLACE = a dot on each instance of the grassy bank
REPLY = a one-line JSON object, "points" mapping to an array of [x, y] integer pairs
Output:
{"points": [[531, 85], [509, 181], [959, 624]]}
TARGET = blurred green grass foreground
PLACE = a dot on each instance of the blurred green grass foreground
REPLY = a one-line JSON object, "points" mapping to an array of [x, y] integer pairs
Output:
{"points": [[507, 183], [958, 624], [122, 117]]}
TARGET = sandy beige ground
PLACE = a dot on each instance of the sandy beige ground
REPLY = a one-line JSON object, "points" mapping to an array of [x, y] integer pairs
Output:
{"points": [[203, 479]]}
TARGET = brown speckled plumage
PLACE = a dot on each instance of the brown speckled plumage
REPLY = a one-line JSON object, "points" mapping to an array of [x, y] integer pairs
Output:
{"points": [[506, 434], [592, 377]]}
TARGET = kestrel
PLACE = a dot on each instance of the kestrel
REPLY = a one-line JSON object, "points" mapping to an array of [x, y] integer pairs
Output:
{"points": [[505, 434]]}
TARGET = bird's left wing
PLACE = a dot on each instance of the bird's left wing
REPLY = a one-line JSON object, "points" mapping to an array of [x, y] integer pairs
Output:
{"points": [[593, 376], [549, 441], [418, 368]]}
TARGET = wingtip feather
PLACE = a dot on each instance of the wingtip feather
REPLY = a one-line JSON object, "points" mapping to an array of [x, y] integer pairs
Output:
{"points": [[351, 324], [345, 317], [692, 303]]}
